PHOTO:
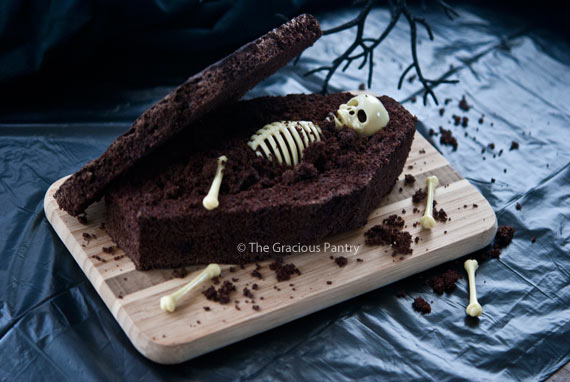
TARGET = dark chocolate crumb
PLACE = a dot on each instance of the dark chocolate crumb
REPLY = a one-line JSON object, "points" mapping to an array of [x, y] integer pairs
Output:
{"points": [[504, 236], [232, 269], [359, 260], [207, 308], [394, 221], [464, 121], [475, 205], [419, 196], [409, 179], [417, 239], [518, 207], [256, 273], [329, 282], [216, 280], [222, 294], [463, 105], [247, 293], [533, 239], [456, 120], [421, 305], [514, 146], [255, 286], [445, 282], [97, 257], [441, 111], [108, 250], [235, 279], [82, 219], [492, 180], [341, 261], [283, 272], [400, 241], [361, 86], [256, 308], [447, 138]]}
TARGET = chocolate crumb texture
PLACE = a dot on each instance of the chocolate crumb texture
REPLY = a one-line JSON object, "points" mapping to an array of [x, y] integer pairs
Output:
{"points": [[108, 250], [222, 294], [256, 273], [400, 241], [445, 282], [533, 240], [247, 293], [409, 179], [514, 146], [421, 305], [256, 308], [419, 196], [329, 282], [82, 219], [341, 261], [394, 221], [463, 105], [283, 272], [518, 207], [447, 138], [504, 236]]}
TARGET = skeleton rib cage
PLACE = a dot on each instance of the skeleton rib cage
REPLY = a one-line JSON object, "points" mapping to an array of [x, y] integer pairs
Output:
{"points": [[285, 140]]}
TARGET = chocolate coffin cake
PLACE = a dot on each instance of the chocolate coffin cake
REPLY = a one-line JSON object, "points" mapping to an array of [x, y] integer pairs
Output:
{"points": [[156, 212], [194, 176]]}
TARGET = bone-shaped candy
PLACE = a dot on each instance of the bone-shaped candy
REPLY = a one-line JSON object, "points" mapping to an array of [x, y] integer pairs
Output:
{"points": [[474, 308], [210, 201], [427, 221], [168, 303]]}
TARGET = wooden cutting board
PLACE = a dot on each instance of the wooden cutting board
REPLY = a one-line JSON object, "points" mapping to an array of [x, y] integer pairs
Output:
{"points": [[133, 296]]}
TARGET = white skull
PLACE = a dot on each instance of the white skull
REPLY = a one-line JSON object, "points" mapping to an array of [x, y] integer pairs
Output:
{"points": [[365, 114]]}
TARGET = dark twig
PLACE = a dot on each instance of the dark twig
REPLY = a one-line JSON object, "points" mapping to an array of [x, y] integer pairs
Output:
{"points": [[362, 48]]}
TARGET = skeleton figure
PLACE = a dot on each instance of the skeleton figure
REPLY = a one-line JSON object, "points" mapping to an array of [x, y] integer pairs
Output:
{"points": [[286, 141]]}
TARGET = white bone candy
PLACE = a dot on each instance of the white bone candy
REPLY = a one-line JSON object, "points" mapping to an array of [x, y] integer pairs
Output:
{"points": [[474, 309], [364, 113], [284, 140], [211, 201], [427, 221], [168, 303]]}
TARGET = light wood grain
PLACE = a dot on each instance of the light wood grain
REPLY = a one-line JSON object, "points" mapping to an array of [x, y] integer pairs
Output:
{"points": [[133, 296]]}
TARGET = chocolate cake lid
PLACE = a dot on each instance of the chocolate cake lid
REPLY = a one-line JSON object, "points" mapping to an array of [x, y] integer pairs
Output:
{"points": [[224, 81]]}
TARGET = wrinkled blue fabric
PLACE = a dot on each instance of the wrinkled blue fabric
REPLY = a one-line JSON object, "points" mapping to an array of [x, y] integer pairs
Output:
{"points": [[515, 74]]}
